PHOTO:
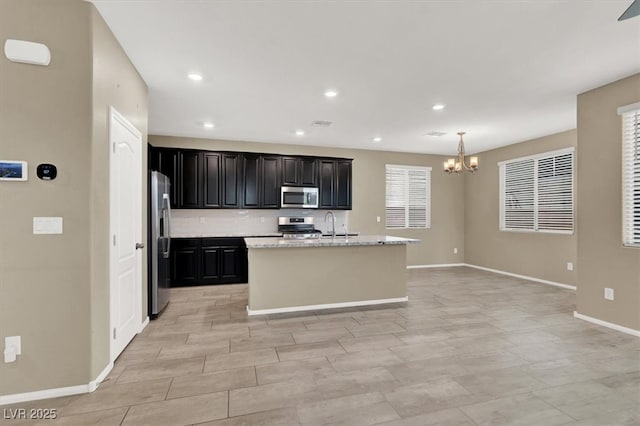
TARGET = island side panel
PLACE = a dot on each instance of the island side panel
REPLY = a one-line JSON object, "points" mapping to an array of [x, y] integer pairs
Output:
{"points": [[296, 277]]}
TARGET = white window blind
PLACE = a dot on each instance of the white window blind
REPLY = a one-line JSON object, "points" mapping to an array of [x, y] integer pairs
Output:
{"points": [[536, 193], [631, 177], [408, 197]]}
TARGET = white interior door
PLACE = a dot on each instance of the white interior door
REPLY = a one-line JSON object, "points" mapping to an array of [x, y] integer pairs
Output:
{"points": [[126, 230]]}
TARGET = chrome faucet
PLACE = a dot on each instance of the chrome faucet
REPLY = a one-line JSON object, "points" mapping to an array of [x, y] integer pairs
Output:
{"points": [[333, 222]]}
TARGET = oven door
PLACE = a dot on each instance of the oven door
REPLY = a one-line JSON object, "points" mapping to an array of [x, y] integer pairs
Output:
{"points": [[299, 197]]}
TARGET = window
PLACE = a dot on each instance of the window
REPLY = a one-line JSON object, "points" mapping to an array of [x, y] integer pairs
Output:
{"points": [[408, 197], [631, 174], [536, 193]]}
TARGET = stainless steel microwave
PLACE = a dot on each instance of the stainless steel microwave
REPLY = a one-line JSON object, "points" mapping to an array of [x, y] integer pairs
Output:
{"points": [[299, 197]]}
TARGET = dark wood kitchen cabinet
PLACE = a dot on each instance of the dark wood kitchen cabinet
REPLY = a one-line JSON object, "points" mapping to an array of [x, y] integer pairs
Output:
{"points": [[212, 185], [270, 181], [203, 261], [260, 183], [335, 184], [343, 184], [299, 171], [251, 181], [234, 180], [230, 178], [327, 187], [184, 261], [190, 180]]}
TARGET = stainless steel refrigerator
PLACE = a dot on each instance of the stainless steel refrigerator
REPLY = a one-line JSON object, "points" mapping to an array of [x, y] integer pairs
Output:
{"points": [[159, 242]]}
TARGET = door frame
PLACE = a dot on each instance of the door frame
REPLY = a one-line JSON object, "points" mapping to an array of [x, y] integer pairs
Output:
{"points": [[114, 115]]}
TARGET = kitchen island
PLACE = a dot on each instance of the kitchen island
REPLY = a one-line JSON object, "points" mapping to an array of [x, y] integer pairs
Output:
{"points": [[289, 275]]}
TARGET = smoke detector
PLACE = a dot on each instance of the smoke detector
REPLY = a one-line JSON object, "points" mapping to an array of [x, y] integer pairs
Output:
{"points": [[436, 134], [321, 123]]}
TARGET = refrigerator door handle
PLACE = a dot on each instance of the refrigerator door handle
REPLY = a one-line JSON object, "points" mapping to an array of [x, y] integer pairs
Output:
{"points": [[165, 198]]}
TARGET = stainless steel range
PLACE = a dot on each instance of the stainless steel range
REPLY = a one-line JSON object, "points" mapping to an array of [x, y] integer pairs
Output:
{"points": [[298, 227]]}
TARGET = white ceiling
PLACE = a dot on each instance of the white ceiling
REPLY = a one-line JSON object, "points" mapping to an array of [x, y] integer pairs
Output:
{"points": [[507, 71]]}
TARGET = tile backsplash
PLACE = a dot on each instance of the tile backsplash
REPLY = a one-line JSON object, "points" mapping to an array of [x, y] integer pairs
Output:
{"points": [[235, 221]]}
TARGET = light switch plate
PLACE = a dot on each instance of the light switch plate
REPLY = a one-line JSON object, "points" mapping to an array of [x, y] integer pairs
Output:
{"points": [[608, 293], [47, 225], [14, 341]]}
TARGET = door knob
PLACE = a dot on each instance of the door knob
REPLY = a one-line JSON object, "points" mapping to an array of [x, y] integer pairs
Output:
{"points": [[139, 246]]}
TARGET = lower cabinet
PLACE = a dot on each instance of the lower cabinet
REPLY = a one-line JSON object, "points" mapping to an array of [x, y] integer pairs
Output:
{"points": [[201, 261]]}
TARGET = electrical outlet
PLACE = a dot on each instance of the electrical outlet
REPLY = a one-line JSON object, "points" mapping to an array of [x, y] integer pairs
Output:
{"points": [[455, 250], [261, 219], [608, 293], [569, 266], [378, 219], [202, 220]]}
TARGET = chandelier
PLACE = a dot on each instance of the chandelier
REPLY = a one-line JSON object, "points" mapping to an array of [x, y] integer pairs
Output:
{"points": [[457, 165]]}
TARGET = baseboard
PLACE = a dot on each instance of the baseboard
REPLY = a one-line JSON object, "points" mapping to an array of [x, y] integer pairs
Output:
{"points": [[441, 265], [93, 385], [251, 312], [524, 277], [144, 324], [56, 392], [607, 324]]}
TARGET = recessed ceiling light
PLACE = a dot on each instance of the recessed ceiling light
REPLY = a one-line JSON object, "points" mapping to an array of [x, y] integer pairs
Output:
{"points": [[438, 107], [299, 132], [208, 125], [377, 139], [195, 77], [331, 93]]}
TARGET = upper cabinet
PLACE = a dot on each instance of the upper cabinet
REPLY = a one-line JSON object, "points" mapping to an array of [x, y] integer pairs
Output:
{"points": [[269, 181], [212, 185], [230, 175], [299, 171], [206, 179], [190, 180], [261, 184], [335, 184]]}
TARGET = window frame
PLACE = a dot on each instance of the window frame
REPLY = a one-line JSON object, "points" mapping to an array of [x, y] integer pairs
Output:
{"points": [[407, 168], [536, 158], [623, 111]]}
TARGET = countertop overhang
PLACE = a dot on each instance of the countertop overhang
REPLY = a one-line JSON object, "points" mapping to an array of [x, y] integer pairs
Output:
{"points": [[360, 240]]}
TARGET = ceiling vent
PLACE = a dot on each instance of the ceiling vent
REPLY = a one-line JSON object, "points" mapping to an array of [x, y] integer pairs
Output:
{"points": [[321, 123], [436, 134]]}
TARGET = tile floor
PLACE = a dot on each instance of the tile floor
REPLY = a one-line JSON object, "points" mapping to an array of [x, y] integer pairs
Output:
{"points": [[469, 348]]}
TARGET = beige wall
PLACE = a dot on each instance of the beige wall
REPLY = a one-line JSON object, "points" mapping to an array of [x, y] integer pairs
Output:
{"points": [[116, 83], [54, 288], [602, 260], [537, 255], [447, 221]]}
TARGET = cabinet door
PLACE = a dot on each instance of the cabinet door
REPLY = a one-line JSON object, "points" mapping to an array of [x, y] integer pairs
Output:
{"points": [[327, 184], [308, 172], [211, 190], [270, 183], [210, 263], [230, 262], [190, 180], [230, 181], [343, 184], [184, 261], [290, 171], [251, 179], [167, 163]]}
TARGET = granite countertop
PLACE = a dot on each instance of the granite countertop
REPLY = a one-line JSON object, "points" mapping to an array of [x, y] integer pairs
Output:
{"points": [[361, 240], [228, 235]]}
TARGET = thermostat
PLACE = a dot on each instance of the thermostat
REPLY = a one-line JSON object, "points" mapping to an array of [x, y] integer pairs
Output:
{"points": [[47, 171], [13, 170]]}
